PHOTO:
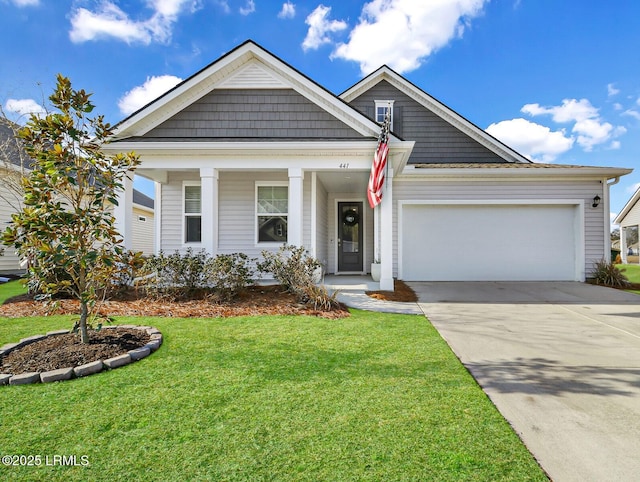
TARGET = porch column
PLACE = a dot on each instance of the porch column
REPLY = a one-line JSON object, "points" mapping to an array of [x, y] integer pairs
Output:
{"points": [[294, 228], [386, 234], [123, 212], [623, 244], [209, 209], [157, 218]]}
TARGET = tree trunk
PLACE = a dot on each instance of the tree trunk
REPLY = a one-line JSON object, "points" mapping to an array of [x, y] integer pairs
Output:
{"points": [[84, 314]]}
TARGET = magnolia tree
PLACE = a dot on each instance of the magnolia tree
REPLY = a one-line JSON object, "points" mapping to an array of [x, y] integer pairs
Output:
{"points": [[65, 227]]}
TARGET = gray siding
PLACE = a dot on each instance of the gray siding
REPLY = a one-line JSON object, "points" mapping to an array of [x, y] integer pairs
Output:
{"points": [[8, 262], [437, 141], [428, 190], [143, 232], [253, 114]]}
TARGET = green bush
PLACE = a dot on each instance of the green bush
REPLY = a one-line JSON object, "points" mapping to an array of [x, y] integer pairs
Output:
{"points": [[228, 274], [608, 274], [183, 276]]}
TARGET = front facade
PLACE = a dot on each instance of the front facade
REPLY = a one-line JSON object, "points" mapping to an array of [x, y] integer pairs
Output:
{"points": [[249, 154]]}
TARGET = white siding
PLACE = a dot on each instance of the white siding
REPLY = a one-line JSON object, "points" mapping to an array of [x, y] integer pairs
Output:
{"points": [[322, 231], [143, 231], [417, 190], [633, 216], [172, 236], [8, 262]]}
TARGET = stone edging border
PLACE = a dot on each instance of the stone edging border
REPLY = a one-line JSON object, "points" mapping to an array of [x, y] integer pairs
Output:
{"points": [[83, 370]]}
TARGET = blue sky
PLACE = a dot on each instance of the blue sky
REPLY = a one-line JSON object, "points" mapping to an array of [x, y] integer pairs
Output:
{"points": [[559, 81]]}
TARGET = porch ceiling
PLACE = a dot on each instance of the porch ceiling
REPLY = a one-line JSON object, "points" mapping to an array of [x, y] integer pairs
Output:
{"points": [[345, 181]]}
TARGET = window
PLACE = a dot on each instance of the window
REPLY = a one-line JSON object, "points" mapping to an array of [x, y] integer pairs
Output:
{"points": [[381, 111], [272, 208], [192, 213]]}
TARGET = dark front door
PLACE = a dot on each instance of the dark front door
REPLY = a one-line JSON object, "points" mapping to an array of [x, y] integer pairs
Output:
{"points": [[350, 236]]}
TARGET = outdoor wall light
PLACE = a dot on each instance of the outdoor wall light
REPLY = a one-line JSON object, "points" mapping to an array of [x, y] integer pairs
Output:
{"points": [[596, 201]]}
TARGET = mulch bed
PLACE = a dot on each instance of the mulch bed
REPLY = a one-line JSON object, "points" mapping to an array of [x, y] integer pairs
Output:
{"points": [[64, 351], [256, 300], [401, 292]]}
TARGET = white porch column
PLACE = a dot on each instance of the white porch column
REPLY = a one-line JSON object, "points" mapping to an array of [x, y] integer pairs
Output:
{"points": [[623, 244], [376, 233], [123, 212], [386, 234], [157, 218], [209, 209], [294, 228]]}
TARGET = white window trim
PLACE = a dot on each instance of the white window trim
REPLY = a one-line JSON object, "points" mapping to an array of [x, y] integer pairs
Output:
{"points": [[183, 233], [383, 103], [256, 214]]}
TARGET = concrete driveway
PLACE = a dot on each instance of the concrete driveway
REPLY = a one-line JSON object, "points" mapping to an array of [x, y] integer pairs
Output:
{"points": [[561, 361]]}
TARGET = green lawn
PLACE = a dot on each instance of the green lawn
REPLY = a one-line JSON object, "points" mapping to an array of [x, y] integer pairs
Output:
{"points": [[632, 272], [10, 289], [370, 397]]}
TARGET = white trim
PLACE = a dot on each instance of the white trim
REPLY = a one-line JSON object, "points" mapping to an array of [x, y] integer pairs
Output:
{"points": [[183, 234], [383, 104], [336, 232], [265, 244], [314, 214], [580, 264], [157, 218]]}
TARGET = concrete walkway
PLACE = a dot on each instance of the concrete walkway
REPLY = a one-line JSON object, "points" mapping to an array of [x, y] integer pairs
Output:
{"points": [[561, 361]]}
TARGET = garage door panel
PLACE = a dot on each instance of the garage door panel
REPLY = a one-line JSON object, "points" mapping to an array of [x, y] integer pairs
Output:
{"points": [[488, 242]]}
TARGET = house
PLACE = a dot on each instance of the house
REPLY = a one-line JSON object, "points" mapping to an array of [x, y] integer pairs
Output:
{"points": [[249, 153], [14, 163], [627, 219]]}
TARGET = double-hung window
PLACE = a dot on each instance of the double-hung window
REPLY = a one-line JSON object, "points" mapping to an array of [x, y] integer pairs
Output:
{"points": [[192, 212], [381, 110], [272, 209]]}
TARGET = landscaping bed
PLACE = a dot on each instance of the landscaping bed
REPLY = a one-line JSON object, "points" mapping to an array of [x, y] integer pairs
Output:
{"points": [[255, 300]]}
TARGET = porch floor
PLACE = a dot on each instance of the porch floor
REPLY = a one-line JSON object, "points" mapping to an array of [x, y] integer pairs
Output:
{"points": [[350, 283]]}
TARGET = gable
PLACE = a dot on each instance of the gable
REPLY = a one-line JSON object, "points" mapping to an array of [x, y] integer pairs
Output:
{"points": [[252, 114], [436, 140]]}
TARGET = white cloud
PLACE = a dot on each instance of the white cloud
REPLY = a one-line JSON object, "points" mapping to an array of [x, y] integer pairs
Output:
{"points": [[24, 107], [402, 33], [25, 3], [633, 188], [632, 113], [534, 141], [249, 8], [611, 90], [320, 27], [111, 21], [590, 129], [288, 10], [141, 95]]}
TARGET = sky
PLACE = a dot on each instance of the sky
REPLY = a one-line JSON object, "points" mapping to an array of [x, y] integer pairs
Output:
{"points": [[559, 81]]}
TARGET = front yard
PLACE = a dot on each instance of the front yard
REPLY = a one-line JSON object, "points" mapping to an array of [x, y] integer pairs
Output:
{"points": [[370, 397]]}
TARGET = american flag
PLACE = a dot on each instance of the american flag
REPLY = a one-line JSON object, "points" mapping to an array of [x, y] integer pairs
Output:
{"points": [[378, 168]]}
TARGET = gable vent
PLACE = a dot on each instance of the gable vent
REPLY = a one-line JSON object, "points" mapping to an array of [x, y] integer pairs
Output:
{"points": [[252, 76]]}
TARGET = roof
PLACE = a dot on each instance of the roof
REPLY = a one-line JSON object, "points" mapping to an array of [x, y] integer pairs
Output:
{"points": [[627, 207], [142, 199], [437, 107], [10, 148]]}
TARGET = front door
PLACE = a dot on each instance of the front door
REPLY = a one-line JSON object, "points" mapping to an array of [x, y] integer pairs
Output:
{"points": [[350, 236]]}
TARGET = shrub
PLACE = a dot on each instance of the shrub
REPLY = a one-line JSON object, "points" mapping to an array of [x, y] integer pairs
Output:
{"points": [[319, 298], [176, 275], [182, 276], [608, 274], [229, 274], [291, 266]]}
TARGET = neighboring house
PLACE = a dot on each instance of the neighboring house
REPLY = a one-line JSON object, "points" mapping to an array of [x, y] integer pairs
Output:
{"points": [[11, 202], [249, 153], [143, 223], [629, 217]]}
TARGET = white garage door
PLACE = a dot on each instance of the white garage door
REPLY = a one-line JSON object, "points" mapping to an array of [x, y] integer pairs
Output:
{"points": [[490, 242]]}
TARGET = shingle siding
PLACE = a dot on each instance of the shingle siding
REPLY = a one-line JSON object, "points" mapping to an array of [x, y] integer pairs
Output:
{"points": [[436, 140], [246, 114]]}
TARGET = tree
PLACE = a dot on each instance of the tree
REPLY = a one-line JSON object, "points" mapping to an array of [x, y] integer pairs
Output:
{"points": [[66, 227]]}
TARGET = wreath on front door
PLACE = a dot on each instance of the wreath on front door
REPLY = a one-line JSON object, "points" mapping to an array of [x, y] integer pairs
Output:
{"points": [[350, 217]]}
